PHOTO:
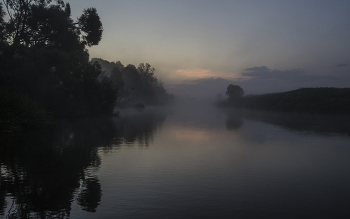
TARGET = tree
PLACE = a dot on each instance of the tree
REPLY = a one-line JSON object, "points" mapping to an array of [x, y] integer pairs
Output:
{"points": [[146, 72], [136, 84], [47, 23], [234, 91], [43, 54], [50, 26], [89, 22], [2, 23], [117, 77]]}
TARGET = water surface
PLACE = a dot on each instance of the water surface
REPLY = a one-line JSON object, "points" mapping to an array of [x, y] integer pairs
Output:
{"points": [[190, 162]]}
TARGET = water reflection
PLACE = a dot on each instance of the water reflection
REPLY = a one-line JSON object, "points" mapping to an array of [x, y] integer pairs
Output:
{"points": [[139, 127], [234, 122], [2, 193], [304, 123], [90, 195], [42, 173]]}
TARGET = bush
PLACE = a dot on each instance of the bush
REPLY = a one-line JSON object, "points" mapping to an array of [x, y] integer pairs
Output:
{"points": [[18, 112]]}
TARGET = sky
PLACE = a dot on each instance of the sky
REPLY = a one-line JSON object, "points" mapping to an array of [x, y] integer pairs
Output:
{"points": [[261, 45]]}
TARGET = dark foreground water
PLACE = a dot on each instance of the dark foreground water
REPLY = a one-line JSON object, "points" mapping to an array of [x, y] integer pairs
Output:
{"points": [[189, 162]]}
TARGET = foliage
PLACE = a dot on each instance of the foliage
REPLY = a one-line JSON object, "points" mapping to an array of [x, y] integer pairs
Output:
{"points": [[66, 83], [309, 100], [47, 23], [136, 84], [91, 25], [18, 112], [43, 55], [2, 23], [234, 91]]}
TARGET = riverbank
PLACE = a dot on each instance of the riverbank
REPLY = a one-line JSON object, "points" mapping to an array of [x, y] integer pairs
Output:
{"points": [[306, 100], [18, 112]]}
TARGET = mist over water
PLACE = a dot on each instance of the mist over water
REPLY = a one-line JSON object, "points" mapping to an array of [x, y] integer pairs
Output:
{"points": [[112, 137], [189, 160]]}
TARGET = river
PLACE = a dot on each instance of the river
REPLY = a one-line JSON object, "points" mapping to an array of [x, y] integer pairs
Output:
{"points": [[193, 161]]}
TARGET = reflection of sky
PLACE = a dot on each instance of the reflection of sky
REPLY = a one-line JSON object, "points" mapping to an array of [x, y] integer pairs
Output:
{"points": [[194, 39], [216, 169], [203, 132], [195, 166]]}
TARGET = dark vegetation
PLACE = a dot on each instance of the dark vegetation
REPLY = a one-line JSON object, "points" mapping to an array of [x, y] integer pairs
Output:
{"points": [[46, 72], [234, 92], [137, 85], [306, 100], [19, 112], [45, 65]]}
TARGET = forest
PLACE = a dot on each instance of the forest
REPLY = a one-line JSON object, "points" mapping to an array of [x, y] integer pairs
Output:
{"points": [[46, 72], [326, 100], [137, 85]]}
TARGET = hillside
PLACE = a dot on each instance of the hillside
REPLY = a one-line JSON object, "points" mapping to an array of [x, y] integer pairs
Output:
{"points": [[309, 100]]}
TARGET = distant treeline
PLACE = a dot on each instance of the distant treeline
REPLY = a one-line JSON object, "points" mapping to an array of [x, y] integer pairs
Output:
{"points": [[137, 85], [308, 100]]}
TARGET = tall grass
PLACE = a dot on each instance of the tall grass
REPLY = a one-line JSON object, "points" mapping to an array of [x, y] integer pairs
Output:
{"points": [[18, 112]]}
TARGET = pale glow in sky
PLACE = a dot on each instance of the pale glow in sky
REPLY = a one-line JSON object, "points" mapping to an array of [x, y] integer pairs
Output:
{"points": [[192, 39], [199, 73]]}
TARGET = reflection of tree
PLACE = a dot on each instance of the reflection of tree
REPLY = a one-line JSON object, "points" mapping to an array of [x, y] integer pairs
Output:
{"points": [[234, 122], [140, 127], [90, 195], [44, 171], [301, 122], [2, 193]]}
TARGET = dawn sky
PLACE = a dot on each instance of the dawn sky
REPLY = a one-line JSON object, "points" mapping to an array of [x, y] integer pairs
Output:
{"points": [[290, 43]]}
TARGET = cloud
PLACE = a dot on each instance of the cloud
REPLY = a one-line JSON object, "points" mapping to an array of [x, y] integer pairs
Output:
{"points": [[211, 81], [258, 69], [197, 73], [203, 73], [342, 65]]}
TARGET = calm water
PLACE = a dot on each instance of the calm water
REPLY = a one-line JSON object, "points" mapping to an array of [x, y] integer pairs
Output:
{"points": [[189, 162]]}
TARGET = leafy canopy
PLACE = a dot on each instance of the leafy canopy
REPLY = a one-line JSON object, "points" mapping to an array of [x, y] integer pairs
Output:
{"points": [[234, 91], [43, 54], [48, 23]]}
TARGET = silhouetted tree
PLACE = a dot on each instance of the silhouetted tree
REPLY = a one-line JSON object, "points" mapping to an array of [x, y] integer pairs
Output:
{"points": [[234, 91], [146, 72], [47, 23], [117, 77], [89, 22], [136, 84], [43, 55], [2, 23]]}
